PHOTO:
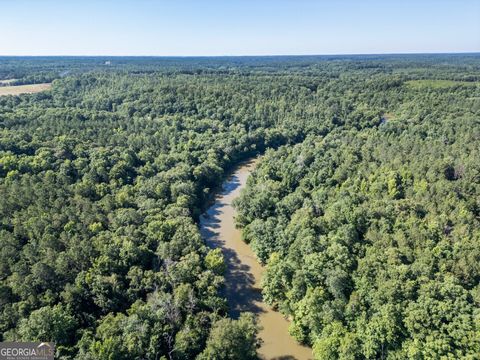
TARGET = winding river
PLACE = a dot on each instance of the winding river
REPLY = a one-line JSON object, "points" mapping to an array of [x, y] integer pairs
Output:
{"points": [[243, 275]]}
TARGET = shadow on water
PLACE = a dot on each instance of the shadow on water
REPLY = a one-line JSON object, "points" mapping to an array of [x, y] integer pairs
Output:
{"points": [[232, 183], [241, 291], [243, 273]]}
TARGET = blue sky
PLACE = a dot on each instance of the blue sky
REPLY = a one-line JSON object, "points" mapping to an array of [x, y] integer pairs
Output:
{"points": [[237, 27]]}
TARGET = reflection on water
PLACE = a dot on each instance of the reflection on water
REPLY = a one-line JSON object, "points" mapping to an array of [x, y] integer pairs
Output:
{"points": [[242, 279]]}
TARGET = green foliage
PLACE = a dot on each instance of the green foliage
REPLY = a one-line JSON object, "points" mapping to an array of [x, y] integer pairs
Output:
{"points": [[214, 261], [53, 324], [439, 84], [368, 233], [103, 177], [232, 339]]}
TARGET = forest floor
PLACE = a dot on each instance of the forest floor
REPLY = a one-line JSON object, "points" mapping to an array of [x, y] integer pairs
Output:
{"points": [[24, 89]]}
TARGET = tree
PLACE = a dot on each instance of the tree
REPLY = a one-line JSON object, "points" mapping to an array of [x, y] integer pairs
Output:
{"points": [[49, 324], [232, 339], [214, 261]]}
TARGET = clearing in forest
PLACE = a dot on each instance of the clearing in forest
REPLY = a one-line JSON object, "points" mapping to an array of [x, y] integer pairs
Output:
{"points": [[24, 89]]}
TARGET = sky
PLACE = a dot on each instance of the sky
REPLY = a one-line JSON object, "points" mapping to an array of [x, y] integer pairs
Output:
{"points": [[238, 27]]}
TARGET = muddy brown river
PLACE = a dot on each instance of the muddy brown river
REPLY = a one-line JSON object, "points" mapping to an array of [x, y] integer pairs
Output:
{"points": [[243, 275]]}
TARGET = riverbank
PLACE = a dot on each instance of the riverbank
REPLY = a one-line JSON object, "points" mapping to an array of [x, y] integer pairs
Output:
{"points": [[243, 275]]}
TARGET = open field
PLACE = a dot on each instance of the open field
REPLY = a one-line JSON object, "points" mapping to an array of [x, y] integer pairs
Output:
{"points": [[24, 89]]}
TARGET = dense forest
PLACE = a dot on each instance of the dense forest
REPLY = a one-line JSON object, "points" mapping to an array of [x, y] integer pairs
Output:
{"points": [[371, 236], [365, 207]]}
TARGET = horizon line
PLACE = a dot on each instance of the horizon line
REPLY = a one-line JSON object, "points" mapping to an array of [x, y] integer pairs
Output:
{"points": [[257, 55]]}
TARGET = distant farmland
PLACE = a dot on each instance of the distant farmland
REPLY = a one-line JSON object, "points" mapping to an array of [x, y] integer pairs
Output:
{"points": [[24, 89]]}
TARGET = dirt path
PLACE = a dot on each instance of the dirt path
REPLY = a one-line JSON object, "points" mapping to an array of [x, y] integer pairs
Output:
{"points": [[244, 272]]}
